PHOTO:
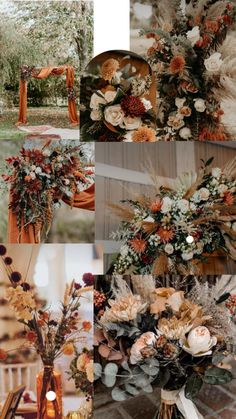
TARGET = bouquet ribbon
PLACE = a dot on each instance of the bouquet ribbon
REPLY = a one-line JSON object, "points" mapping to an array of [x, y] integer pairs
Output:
{"points": [[185, 406]]}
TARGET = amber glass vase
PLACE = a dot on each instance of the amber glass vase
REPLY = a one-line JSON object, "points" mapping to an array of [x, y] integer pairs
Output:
{"points": [[49, 380]]}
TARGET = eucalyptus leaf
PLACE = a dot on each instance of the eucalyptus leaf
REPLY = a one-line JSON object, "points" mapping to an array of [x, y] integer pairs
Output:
{"points": [[132, 389], [109, 377], [148, 389], [97, 369], [119, 395], [217, 376], [149, 369], [193, 386]]}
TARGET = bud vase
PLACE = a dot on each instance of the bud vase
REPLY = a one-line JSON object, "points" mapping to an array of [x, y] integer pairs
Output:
{"points": [[49, 380]]}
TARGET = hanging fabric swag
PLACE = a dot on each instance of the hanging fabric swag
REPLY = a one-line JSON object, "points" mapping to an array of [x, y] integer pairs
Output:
{"points": [[28, 72]]}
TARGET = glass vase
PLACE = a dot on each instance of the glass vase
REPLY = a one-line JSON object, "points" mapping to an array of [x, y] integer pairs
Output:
{"points": [[49, 380]]}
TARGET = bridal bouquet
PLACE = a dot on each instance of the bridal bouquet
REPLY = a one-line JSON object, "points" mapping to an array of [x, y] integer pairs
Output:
{"points": [[52, 335], [180, 226], [39, 179], [150, 336], [117, 108], [194, 62]]}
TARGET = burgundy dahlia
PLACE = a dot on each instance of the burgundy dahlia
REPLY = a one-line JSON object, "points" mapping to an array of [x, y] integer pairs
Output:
{"points": [[88, 279], [132, 106]]}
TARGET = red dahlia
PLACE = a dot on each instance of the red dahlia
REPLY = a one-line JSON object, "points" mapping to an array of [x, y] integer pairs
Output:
{"points": [[132, 106]]}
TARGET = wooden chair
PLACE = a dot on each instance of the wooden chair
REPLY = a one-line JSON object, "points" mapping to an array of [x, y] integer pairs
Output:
{"points": [[11, 403], [14, 375]]}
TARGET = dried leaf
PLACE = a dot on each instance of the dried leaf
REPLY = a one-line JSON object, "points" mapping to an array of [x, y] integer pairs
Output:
{"points": [[160, 266]]}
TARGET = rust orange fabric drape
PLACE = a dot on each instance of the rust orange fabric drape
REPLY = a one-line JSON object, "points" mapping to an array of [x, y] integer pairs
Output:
{"points": [[83, 200], [44, 73]]}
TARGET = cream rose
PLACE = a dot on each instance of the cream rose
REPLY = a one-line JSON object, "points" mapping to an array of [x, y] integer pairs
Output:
{"points": [[222, 188], [187, 256], [166, 205], [147, 104], [95, 115], [185, 133], [97, 100], [199, 342], [204, 194], [131, 123], [114, 115], [183, 205], [169, 249], [147, 340], [110, 95], [179, 102], [200, 105], [194, 35], [213, 63]]}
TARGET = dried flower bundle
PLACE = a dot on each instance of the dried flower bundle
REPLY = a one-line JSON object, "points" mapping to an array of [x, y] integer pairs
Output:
{"points": [[180, 227], [195, 68]]}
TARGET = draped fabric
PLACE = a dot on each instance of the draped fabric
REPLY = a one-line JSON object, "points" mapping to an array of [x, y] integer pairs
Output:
{"points": [[44, 73], [83, 200]]}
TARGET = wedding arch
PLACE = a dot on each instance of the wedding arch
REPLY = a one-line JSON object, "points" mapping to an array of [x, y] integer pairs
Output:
{"points": [[42, 73]]}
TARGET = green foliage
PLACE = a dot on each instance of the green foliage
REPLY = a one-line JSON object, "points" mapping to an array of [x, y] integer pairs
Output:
{"points": [[217, 376], [193, 386]]}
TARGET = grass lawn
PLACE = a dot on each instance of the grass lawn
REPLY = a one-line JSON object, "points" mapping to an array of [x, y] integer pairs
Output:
{"points": [[56, 117]]}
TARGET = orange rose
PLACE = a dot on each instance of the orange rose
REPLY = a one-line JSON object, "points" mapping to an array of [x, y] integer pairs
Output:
{"points": [[68, 349], [27, 178], [87, 326]]}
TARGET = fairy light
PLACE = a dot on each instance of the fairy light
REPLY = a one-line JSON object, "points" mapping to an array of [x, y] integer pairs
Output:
{"points": [[50, 396], [189, 239]]}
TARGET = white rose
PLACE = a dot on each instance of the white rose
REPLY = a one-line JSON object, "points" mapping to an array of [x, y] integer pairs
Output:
{"points": [[38, 170], [200, 105], [32, 175], [216, 172], [204, 194], [187, 256], [131, 123], [97, 100], [185, 133], [234, 226], [95, 115], [183, 205], [196, 197], [193, 207], [214, 62], [147, 104], [110, 96], [114, 115], [179, 102], [66, 181], [166, 205], [169, 249], [199, 342], [222, 189], [33, 167], [194, 35]]}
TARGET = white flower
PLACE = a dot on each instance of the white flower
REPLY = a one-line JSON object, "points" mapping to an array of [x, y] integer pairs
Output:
{"points": [[97, 99], [234, 226], [46, 152], [110, 95], [185, 133], [38, 170], [194, 35], [114, 115], [199, 342], [95, 115], [169, 249], [216, 172], [117, 77], [145, 341], [149, 219], [187, 256], [66, 181], [200, 105], [214, 62], [166, 205], [179, 102], [193, 207], [130, 123], [196, 197], [128, 137], [204, 194], [33, 167], [183, 205], [222, 188], [124, 250], [32, 175], [147, 104]]}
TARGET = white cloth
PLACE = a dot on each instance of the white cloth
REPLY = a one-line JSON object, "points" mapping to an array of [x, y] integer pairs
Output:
{"points": [[185, 406]]}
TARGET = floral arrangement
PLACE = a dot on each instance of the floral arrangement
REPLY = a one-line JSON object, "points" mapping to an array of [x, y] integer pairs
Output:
{"points": [[39, 179], [194, 63], [150, 336], [180, 226], [50, 335], [117, 108], [81, 371]]}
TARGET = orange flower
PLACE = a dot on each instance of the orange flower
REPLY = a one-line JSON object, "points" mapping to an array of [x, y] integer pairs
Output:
{"points": [[138, 245], [229, 198], [189, 87], [212, 26], [44, 315], [3, 355], [156, 205], [165, 234], [177, 64], [109, 68], [68, 349], [217, 135], [31, 336], [40, 323], [87, 326], [27, 178], [185, 110], [144, 134]]}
